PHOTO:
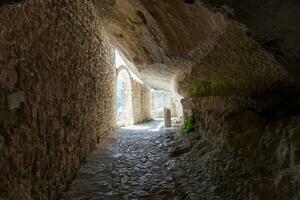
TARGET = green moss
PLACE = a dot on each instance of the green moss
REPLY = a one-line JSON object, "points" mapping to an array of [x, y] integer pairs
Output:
{"points": [[188, 125]]}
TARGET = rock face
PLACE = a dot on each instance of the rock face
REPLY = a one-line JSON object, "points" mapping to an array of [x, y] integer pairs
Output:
{"points": [[244, 51], [161, 45], [273, 23], [56, 94], [171, 40], [243, 154], [234, 62]]}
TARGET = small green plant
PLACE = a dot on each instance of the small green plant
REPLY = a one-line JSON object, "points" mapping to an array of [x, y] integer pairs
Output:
{"points": [[188, 125]]}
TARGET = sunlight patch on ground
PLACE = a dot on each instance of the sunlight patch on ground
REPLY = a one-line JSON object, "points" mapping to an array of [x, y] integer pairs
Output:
{"points": [[155, 125], [140, 127], [158, 127]]}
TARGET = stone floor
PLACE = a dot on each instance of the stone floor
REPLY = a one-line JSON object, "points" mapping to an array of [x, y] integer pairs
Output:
{"points": [[133, 165]]}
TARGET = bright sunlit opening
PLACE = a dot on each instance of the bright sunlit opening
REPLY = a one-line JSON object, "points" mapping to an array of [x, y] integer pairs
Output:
{"points": [[119, 61]]}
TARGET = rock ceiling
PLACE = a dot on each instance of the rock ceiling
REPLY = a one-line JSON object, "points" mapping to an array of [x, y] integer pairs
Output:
{"points": [[167, 39]]}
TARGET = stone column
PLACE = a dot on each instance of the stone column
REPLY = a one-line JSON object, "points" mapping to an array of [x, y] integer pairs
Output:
{"points": [[167, 117], [173, 108]]}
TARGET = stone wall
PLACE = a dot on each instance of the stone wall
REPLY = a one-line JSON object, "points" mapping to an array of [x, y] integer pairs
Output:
{"points": [[56, 94], [141, 102]]}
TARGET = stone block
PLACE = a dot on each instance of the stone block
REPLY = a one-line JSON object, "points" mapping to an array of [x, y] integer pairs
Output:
{"points": [[167, 117]]}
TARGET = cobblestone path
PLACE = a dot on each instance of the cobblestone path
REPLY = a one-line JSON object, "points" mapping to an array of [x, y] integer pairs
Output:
{"points": [[132, 166]]}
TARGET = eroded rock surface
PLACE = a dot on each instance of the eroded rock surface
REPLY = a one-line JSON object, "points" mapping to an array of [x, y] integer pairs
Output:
{"points": [[240, 153], [179, 45]]}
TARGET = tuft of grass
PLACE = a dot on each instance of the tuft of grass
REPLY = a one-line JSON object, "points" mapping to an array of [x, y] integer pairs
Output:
{"points": [[188, 125], [225, 82]]}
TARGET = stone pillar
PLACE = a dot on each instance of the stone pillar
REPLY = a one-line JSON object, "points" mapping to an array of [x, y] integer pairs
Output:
{"points": [[173, 108], [167, 117]]}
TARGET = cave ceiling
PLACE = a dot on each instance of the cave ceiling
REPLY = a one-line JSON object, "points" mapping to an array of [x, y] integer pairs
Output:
{"points": [[165, 39]]}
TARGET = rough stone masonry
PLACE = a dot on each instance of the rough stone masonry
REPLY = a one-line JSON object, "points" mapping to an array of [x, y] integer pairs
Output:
{"points": [[56, 94]]}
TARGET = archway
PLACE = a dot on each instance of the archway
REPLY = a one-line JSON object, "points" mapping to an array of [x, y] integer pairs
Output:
{"points": [[124, 98]]}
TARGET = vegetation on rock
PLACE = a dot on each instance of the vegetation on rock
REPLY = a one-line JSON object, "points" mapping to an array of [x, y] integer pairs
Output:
{"points": [[188, 125]]}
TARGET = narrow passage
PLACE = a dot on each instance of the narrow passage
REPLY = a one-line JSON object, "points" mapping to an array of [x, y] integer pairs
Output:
{"points": [[134, 165]]}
